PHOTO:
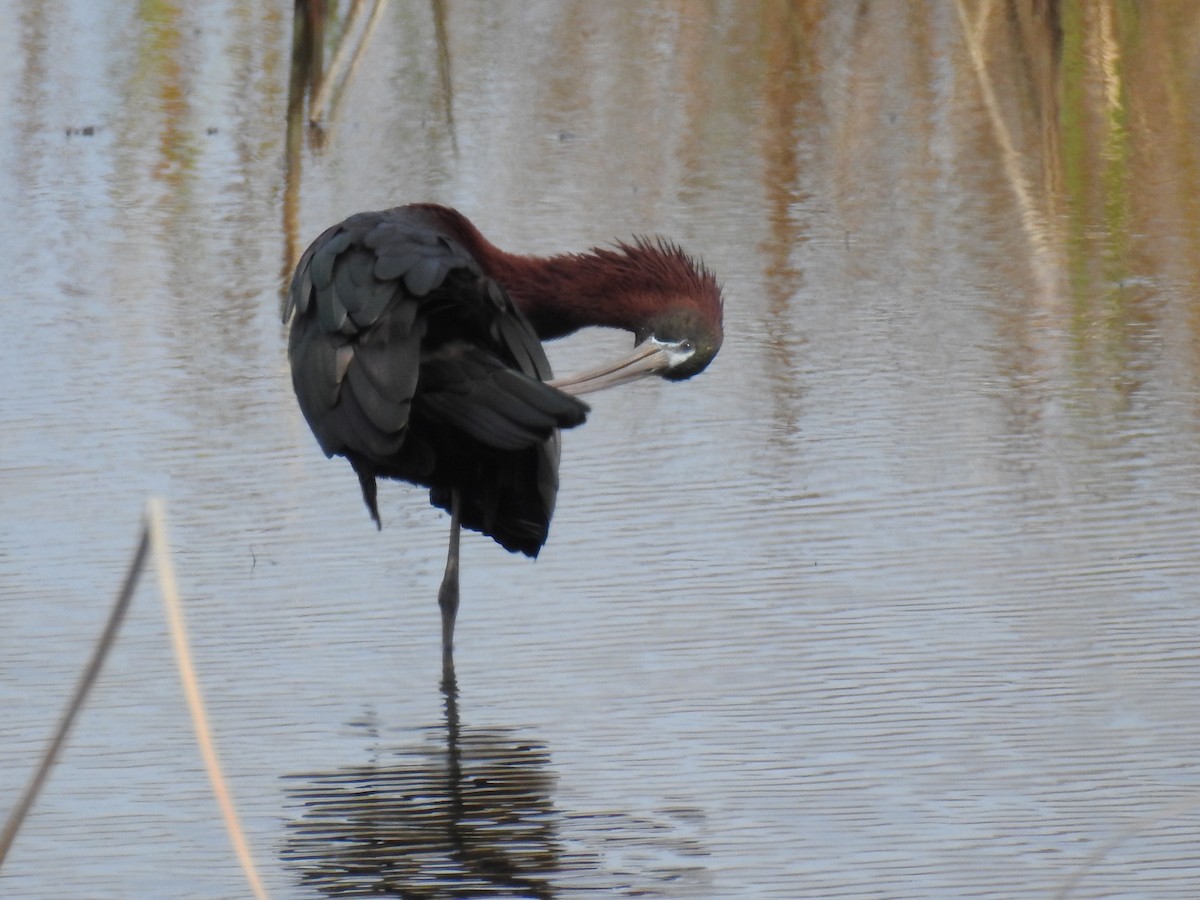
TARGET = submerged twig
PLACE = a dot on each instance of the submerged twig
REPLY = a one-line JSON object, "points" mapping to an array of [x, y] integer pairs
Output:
{"points": [[1181, 807]]}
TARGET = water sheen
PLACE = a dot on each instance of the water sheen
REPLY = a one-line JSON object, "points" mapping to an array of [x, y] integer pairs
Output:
{"points": [[898, 599]]}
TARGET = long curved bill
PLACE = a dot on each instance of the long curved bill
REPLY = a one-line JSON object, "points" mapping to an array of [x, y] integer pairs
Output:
{"points": [[650, 357]]}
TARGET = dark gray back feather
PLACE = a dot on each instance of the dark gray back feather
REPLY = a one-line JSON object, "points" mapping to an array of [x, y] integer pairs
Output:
{"points": [[413, 364]]}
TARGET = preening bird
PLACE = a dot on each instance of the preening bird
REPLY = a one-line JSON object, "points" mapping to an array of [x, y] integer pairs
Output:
{"points": [[416, 354]]}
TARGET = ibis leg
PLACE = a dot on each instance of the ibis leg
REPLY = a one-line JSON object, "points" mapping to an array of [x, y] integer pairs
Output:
{"points": [[448, 593]]}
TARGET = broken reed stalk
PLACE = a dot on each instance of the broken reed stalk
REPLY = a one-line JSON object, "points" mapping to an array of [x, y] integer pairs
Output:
{"points": [[153, 537], [156, 524], [99, 654]]}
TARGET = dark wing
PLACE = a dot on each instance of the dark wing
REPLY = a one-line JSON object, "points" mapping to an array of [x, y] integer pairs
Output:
{"points": [[355, 345], [410, 362]]}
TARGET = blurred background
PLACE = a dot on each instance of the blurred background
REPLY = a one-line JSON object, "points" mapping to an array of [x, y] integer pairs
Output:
{"points": [[898, 598]]}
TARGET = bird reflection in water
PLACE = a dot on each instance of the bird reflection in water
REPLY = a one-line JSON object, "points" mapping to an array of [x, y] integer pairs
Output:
{"points": [[469, 812], [470, 817]]}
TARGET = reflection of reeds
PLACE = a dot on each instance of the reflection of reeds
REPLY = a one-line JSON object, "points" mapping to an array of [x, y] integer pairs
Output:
{"points": [[310, 78], [324, 87], [444, 76], [1044, 254], [352, 43], [1116, 155], [1093, 88], [308, 31]]}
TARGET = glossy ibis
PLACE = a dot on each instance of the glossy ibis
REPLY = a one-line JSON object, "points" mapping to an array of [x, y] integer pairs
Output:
{"points": [[416, 354]]}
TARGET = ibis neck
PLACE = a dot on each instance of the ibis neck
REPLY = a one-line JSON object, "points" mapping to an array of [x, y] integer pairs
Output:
{"points": [[561, 294]]}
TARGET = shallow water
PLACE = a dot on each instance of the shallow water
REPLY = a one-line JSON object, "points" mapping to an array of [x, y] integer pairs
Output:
{"points": [[899, 598]]}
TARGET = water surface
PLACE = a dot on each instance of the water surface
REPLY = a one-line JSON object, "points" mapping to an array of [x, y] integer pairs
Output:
{"points": [[899, 598]]}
